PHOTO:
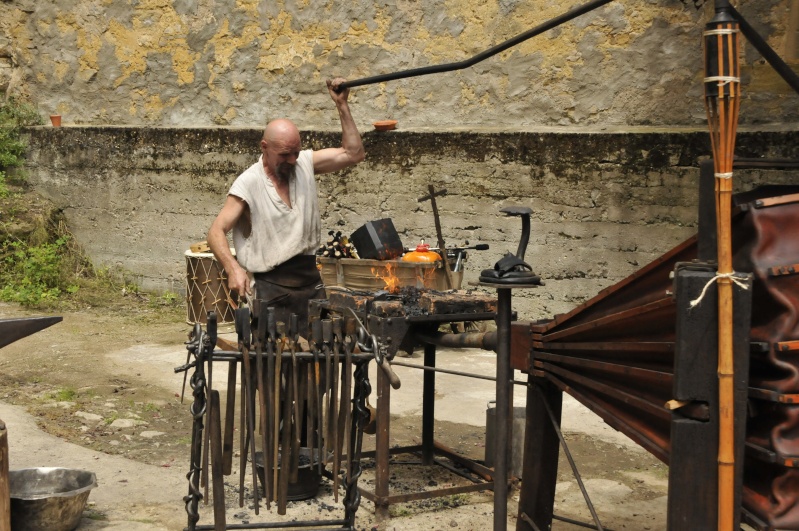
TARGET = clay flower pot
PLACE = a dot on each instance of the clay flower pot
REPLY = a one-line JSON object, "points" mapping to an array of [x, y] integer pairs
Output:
{"points": [[55, 119]]}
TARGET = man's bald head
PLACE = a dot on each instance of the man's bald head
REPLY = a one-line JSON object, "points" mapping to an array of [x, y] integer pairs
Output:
{"points": [[280, 146], [281, 129]]}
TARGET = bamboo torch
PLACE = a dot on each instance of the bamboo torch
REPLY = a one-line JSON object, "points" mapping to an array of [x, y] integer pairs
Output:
{"points": [[722, 99]]}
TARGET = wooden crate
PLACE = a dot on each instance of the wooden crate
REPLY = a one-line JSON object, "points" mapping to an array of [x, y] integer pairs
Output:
{"points": [[367, 275]]}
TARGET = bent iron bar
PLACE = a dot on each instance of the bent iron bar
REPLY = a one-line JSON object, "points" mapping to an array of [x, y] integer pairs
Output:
{"points": [[460, 65], [749, 32], [201, 347]]}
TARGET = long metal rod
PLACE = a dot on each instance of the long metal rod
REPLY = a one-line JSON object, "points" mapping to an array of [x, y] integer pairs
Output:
{"points": [[225, 355], [765, 50], [460, 65], [280, 525], [450, 371], [576, 522]]}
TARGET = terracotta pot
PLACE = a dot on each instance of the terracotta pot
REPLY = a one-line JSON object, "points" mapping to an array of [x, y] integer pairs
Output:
{"points": [[385, 125], [55, 119]]}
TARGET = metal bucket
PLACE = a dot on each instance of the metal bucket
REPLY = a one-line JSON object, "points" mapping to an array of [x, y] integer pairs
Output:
{"points": [[48, 499], [308, 476], [517, 447]]}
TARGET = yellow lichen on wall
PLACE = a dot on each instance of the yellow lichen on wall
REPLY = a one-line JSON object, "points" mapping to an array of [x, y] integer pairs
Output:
{"points": [[145, 59], [402, 97], [282, 45], [153, 106], [467, 93], [485, 27], [639, 19], [166, 35], [90, 46], [225, 45], [61, 70]]}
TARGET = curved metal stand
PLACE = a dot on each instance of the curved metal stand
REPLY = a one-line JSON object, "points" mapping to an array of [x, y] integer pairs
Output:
{"points": [[362, 390], [198, 346], [201, 348]]}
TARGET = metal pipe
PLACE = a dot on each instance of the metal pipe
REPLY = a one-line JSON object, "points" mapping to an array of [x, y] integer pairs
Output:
{"points": [[450, 371], [428, 405], [503, 405], [460, 65], [483, 340]]}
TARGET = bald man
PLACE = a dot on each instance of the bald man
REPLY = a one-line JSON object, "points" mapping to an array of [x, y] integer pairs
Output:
{"points": [[272, 209]]}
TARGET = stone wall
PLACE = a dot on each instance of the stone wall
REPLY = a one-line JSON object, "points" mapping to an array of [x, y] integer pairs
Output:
{"points": [[202, 63], [605, 204]]}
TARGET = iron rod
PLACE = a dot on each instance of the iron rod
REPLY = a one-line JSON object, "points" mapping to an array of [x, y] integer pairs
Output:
{"points": [[450, 371], [279, 525], [576, 522], [227, 355], [529, 521], [571, 460], [460, 65]]}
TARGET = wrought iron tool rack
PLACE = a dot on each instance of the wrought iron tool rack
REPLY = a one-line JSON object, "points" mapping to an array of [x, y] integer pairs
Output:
{"points": [[263, 348]]}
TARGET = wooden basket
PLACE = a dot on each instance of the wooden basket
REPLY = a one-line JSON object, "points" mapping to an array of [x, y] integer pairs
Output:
{"points": [[368, 275]]}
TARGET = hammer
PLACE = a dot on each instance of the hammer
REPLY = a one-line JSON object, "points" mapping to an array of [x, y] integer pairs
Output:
{"points": [[432, 198]]}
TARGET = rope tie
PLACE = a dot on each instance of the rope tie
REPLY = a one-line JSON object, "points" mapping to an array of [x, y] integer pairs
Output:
{"points": [[721, 31], [727, 175], [723, 80], [738, 280]]}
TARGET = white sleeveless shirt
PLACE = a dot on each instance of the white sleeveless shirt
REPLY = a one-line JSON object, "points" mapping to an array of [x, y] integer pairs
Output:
{"points": [[278, 232]]}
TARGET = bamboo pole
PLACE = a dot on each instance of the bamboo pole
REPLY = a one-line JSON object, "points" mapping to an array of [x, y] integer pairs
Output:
{"points": [[722, 99]]}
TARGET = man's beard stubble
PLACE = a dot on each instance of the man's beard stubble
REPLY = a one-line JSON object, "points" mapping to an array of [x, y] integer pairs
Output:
{"points": [[285, 171]]}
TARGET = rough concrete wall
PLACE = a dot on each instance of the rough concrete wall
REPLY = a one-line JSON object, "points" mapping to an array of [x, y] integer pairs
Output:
{"points": [[241, 62], [604, 204]]}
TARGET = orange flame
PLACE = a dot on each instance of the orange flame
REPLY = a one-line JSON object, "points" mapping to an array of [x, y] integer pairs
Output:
{"points": [[427, 277], [389, 278]]}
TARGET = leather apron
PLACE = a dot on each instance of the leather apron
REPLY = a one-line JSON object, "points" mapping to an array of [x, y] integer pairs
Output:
{"points": [[289, 287]]}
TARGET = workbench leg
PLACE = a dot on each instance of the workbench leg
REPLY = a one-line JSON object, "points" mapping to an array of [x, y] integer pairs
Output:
{"points": [[541, 451], [428, 406], [382, 445], [503, 399]]}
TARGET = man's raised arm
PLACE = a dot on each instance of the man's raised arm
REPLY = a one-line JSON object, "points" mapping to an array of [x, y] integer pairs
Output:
{"points": [[351, 151]]}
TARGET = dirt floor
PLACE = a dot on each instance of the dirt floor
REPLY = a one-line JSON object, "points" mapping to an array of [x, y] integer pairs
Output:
{"points": [[98, 392]]}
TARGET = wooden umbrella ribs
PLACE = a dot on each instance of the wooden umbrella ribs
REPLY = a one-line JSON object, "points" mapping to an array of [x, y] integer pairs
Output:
{"points": [[640, 356]]}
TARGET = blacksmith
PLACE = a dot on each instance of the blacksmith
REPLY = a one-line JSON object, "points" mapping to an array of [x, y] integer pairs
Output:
{"points": [[272, 209]]}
